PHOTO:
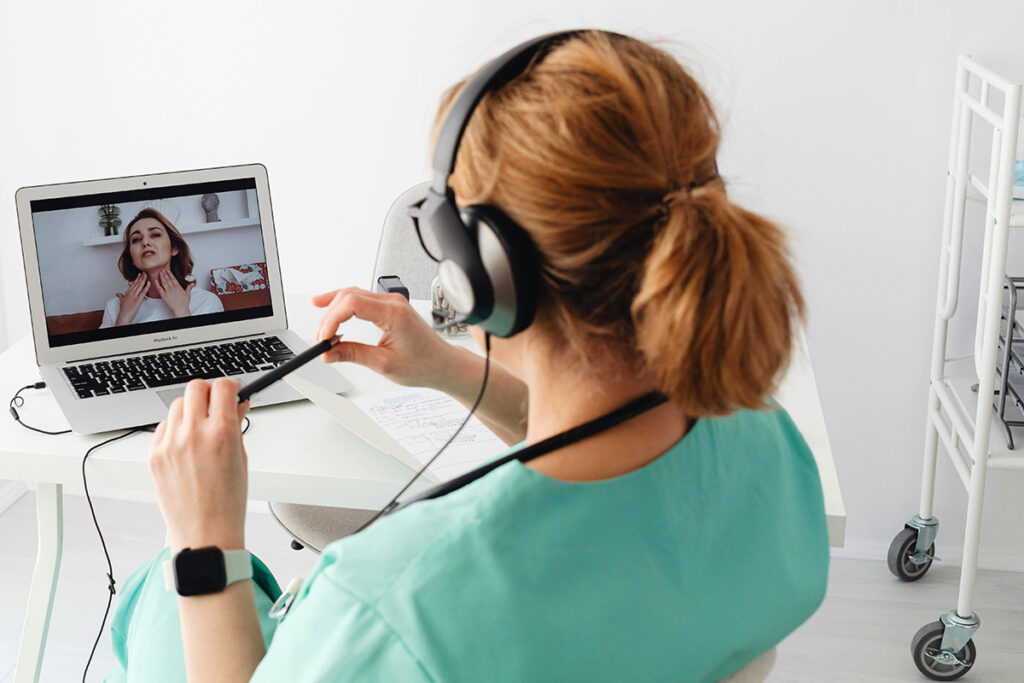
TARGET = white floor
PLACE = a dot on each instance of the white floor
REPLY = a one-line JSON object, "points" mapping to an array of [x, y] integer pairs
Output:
{"points": [[861, 633]]}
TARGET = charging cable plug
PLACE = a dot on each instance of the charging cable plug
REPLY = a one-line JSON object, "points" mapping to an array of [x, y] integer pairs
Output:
{"points": [[17, 401]]}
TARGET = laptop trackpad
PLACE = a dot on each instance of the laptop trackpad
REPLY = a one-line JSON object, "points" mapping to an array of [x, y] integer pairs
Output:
{"points": [[169, 395], [278, 392]]}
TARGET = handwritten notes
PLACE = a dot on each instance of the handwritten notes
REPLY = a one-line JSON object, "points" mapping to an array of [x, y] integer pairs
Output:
{"points": [[422, 421]]}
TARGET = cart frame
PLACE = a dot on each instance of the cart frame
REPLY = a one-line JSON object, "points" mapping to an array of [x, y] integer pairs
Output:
{"points": [[966, 437]]}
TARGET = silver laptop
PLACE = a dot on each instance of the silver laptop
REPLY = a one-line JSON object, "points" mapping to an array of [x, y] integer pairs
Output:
{"points": [[137, 285]]}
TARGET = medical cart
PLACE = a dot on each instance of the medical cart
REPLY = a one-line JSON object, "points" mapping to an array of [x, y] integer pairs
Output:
{"points": [[964, 394]]}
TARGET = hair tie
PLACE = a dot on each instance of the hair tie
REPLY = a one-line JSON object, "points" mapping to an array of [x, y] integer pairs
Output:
{"points": [[675, 193], [672, 195]]}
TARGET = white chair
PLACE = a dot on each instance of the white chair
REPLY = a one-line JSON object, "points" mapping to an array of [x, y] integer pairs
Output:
{"points": [[399, 251], [755, 672]]}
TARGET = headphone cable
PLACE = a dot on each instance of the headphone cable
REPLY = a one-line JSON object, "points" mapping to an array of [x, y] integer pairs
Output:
{"points": [[393, 503], [110, 569], [111, 586], [16, 402]]}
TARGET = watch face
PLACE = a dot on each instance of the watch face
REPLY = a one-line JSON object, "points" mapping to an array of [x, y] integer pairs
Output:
{"points": [[200, 571]]}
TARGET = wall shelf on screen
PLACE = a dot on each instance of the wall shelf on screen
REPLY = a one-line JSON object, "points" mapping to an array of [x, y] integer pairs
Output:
{"points": [[184, 229]]}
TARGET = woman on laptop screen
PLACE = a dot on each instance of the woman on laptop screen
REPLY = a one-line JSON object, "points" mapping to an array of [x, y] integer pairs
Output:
{"points": [[678, 544], [156, 261]]}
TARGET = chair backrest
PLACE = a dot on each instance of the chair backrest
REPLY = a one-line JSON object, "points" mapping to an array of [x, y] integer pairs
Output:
{"points": [[399, 251]]}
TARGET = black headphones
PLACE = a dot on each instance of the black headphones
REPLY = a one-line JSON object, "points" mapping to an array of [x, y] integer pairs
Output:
{"points": [[488, 266]]}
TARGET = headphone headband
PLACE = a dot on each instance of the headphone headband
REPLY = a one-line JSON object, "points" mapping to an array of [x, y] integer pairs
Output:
{"points": [[493, 76], [488, 266]]}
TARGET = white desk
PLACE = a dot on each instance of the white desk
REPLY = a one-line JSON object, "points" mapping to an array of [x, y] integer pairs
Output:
{"points": [[297, 454]]}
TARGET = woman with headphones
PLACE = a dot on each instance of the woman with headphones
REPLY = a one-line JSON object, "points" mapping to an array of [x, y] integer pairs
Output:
{"points": [[664, 519]]}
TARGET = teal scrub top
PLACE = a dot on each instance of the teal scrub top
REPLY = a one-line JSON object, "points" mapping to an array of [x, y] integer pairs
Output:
{"points": [[685, 569]]}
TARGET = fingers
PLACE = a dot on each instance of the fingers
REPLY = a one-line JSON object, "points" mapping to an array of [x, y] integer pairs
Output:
{"points": [[376, 308], [188, 289], [156, 449], [133, 286], [158, 434], [197, 401], [372, 357], [136, 290], [322, 300], [224, 399], [325, 299], [174, 414]]}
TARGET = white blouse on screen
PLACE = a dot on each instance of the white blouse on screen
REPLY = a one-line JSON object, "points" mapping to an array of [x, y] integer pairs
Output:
{"points": [[200, 302]]}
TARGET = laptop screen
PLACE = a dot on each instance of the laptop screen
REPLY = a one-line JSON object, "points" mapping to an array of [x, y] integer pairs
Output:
{"points": [[121, 264]]}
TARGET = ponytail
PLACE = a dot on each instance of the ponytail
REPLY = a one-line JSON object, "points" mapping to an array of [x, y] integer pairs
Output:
{"points": [[604, 152], [717, 305]]}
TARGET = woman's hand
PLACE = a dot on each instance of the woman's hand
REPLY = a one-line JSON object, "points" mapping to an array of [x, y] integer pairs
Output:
{"points": [[131, 299], [199, 467], [409, 352], [177, 299]]}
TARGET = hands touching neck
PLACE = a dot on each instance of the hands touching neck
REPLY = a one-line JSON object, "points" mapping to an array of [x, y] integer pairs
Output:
{"points": [[164, 285]]}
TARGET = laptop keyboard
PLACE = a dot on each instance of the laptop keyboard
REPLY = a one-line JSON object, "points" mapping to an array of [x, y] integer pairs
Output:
{"points": [[133, 373]]}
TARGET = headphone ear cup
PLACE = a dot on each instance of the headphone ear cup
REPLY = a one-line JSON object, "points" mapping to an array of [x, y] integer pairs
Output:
{"points": [[510, 259]]}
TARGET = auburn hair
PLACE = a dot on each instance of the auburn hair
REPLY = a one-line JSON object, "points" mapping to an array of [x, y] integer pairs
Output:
{"points": [[181, 263], [604, 152]]}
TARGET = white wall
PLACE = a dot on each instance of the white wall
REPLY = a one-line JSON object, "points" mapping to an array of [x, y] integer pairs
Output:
{"points": [[836, 118]]}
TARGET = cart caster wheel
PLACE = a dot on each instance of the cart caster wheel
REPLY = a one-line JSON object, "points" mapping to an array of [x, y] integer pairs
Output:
{"points": [[933, 662], [901, 552]]}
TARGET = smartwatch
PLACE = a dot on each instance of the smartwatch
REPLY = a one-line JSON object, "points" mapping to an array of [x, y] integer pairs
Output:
{"points": [[206, 570]]}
